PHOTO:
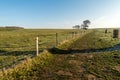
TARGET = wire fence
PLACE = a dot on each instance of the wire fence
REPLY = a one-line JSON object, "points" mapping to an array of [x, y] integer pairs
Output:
{"points": [[51, 41], [13, 53]]}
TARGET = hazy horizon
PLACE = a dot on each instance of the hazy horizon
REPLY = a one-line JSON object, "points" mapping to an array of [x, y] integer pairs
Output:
{"points": [[60, 14]]}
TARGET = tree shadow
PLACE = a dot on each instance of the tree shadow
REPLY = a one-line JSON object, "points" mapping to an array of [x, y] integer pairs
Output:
{"points": [[71, 51]]}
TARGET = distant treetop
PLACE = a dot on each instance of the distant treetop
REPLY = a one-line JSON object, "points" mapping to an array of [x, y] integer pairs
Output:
{"points": [[14, 27], [9, 28]]}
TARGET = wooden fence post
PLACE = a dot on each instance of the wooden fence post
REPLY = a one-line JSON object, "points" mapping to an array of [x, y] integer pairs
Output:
{"points": [[72, 34], [56, 39], [66, 36], [37, 49], [75, 34], [78, 34]]}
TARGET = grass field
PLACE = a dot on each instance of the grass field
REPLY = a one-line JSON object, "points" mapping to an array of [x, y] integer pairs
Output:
{"points": [[25, 39], [88, 57], [17, 45]]}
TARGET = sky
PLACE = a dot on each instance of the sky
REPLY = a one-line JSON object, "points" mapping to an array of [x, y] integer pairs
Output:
{"points": [[60, 13]]}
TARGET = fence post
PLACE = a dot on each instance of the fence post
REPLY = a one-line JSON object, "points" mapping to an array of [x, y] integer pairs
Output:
{"points": [[66, 36], [72, 34], [37, 49], [78, 34], [56, 39]]}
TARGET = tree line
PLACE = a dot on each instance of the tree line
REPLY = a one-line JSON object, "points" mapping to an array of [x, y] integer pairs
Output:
{"points": [[84, 25], [11, 27]]}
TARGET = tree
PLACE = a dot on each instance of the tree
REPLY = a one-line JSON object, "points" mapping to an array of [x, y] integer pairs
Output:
{"points": [[82, 26], [76, 27], [85, 24]]}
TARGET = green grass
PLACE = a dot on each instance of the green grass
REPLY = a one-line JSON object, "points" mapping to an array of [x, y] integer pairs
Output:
{"points": [[105, 66], [95, 40], [29, 68], [17, 45], [73, 66], [25, 39]]}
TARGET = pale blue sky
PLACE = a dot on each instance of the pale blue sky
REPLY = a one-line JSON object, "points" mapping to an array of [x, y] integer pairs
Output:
{"points": [[59, 13]]}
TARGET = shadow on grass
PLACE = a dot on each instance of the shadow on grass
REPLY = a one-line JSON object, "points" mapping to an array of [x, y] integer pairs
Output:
{"points": [[2, 51], [71, 51], [18, 53], [60, 51]]}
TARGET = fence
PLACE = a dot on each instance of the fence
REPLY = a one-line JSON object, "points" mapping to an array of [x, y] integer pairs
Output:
{"points": [[14, 50], [43, 42], [59, 38]]}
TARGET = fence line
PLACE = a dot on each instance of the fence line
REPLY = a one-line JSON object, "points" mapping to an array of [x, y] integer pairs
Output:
{"points": [[34, 49], [59, 37]]}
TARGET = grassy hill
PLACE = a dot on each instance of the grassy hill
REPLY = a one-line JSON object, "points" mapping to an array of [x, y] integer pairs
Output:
{"points": [[84, 58]]}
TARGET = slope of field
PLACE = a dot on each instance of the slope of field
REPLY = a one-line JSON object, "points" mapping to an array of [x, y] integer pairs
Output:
{"points": [[16, 45], [75, 60], [94, 41], [24, 40]]}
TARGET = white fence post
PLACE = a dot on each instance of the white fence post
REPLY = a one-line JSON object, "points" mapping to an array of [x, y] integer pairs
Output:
{"points": [[37, 49]]}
